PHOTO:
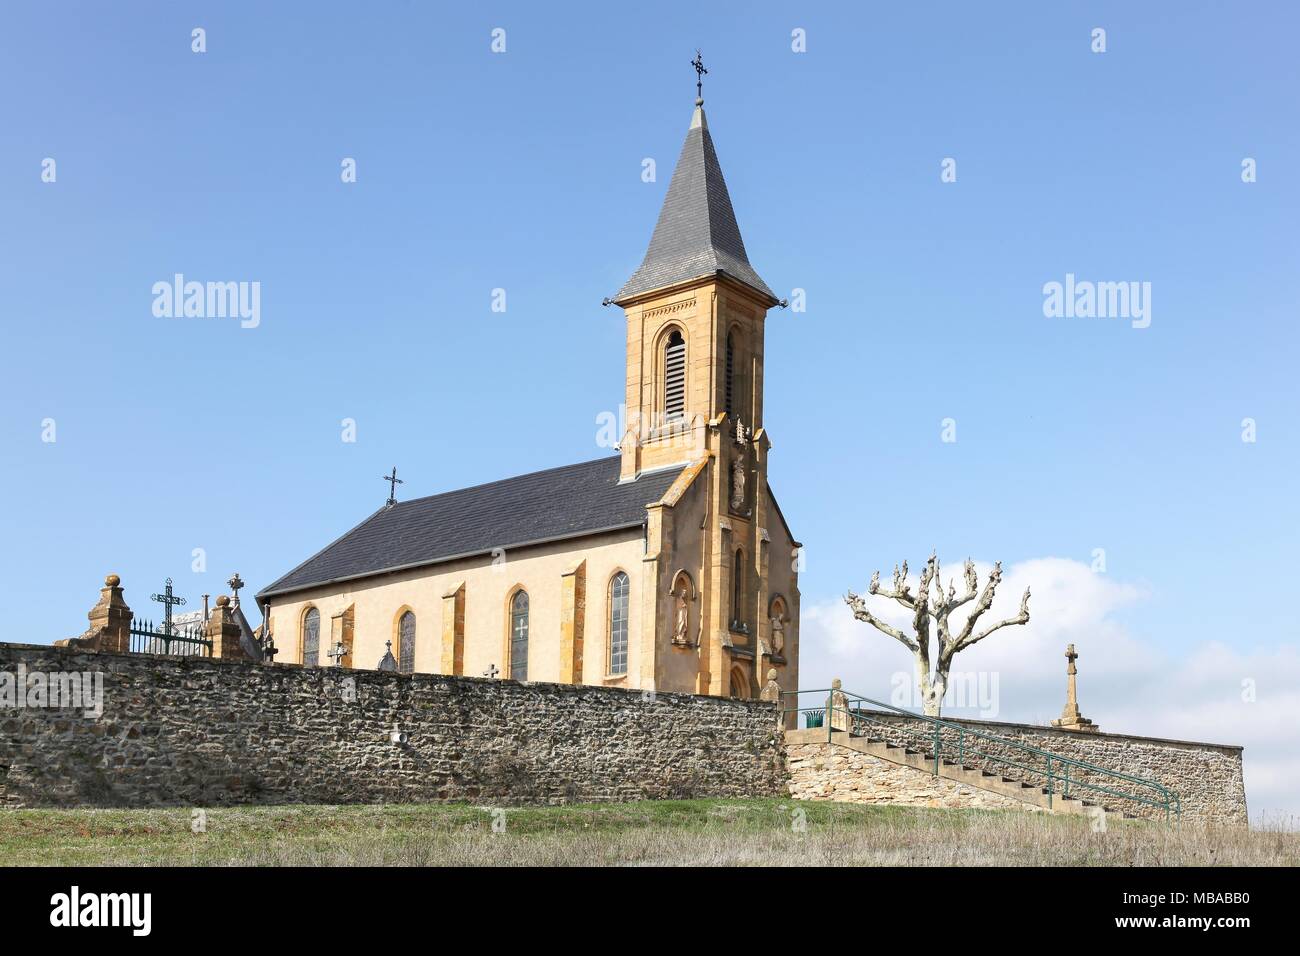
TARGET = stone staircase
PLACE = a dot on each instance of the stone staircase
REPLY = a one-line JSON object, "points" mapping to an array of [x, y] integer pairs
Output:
{"points": [[990, 781]]}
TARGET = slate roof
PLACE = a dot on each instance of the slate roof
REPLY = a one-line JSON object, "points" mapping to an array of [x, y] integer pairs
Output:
{"points": [[565, 502], [696, 234]]}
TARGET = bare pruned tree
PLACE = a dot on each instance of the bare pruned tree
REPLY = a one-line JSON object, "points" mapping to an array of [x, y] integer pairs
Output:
{"points": [[930, 603]]}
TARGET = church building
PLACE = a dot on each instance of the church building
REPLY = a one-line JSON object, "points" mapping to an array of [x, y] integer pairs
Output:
{"points": [[668, 566]]}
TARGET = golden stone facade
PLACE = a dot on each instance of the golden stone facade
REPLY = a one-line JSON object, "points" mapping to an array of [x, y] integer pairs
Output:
{"points": [[710, 601]]}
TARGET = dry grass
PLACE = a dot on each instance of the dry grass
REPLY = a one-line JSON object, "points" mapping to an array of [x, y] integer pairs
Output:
{"points": [[660, 833]]}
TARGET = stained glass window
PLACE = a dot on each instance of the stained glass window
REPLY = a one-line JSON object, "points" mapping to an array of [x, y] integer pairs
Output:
{"points": [[519, 636], [311, 637], [406, 644], [618, 613]]}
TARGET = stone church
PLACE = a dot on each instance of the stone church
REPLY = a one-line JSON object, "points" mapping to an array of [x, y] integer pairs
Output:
{"points": [[668, 566]]}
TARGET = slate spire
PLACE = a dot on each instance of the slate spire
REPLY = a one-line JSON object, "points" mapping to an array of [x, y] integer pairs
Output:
{"points": [[696, 235]]}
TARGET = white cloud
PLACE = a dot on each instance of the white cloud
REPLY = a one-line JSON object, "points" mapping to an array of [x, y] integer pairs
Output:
{"points": [[1126, 684]]}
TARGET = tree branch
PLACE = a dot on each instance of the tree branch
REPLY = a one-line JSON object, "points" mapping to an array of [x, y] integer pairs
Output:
{"points": [[1021, 618], [900, 592], [861, 612], [985, 602]]}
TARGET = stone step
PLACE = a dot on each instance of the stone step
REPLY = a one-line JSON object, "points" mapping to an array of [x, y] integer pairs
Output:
{"points": [[993, 781]]}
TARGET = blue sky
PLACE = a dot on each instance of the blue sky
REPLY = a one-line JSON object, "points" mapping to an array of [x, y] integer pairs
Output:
{"points": [[522, 171]]}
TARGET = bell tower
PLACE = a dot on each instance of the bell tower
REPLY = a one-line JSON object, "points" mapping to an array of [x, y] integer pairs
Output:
{"points": [[719, 549], [695, 312]]}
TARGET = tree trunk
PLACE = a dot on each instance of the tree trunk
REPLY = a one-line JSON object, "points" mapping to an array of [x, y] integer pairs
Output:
{"points": [[932, 690]]}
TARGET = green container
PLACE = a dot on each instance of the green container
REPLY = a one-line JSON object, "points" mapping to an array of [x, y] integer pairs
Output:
{"points": [[814, 718]]}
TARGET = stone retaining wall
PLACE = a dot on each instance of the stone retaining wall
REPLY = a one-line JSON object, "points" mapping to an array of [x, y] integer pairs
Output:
{"points": [[195, 732]]}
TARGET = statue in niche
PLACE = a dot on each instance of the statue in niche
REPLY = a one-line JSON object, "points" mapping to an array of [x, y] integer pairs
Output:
{"points": [[738, 484], [778, 635], [682, 610]]}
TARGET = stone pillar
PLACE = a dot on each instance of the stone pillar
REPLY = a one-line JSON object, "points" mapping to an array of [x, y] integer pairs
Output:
{"points": [[224, 632], [654, 565], [110, 622], [573, 617], [453, 630]]}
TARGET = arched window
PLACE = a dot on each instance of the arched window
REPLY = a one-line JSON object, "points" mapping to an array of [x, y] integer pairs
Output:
{"points": [[674, 376], [738, 589], [619, 588], [519, 636], [406, 644], [311, 637], [729, 407]]}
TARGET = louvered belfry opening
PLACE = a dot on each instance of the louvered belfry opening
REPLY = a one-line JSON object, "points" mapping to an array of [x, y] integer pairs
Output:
{"points": [[731, 373], [675, 377]]}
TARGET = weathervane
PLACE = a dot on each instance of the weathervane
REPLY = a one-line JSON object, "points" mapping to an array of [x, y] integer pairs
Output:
{"points": [[393, 482], [698, 63], [167, 600]]}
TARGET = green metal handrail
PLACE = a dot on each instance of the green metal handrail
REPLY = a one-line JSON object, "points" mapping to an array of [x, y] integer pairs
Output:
{"points": [[1053, 766]]}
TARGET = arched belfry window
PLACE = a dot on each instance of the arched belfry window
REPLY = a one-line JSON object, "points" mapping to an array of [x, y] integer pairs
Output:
{"points": [[406, 644], [619, 589], [731, 374], [519, 636], [674, 376], [311, 637]]}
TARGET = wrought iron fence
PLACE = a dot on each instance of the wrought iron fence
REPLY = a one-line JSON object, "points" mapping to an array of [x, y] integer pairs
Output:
{"points": [[182, 640]]}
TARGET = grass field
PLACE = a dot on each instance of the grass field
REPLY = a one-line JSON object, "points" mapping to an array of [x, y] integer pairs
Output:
{"points": [[699, 832]]}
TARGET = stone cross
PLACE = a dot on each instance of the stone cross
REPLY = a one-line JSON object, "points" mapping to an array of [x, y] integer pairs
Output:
{"points": [[1071, 719], [338, 652], [269, 650], [491, 671]]}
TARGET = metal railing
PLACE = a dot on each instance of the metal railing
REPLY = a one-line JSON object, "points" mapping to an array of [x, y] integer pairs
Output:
{"points": [[950, 742], [188, 640]]}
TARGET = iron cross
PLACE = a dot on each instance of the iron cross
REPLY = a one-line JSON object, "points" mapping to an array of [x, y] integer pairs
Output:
{"points": [[393, 482], [167, 600], [698, 63]]}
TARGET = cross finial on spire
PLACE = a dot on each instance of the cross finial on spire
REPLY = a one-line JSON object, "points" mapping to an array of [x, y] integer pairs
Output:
{"points": [[393, 482], [698, 63]]}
